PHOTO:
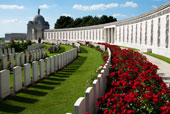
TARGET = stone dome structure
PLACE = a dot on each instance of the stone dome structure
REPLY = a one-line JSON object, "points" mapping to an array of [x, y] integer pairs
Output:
{"points": [[35, 28], [39, 19]]}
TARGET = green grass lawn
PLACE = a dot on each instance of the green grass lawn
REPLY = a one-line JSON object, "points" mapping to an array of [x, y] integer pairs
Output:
{"points": [[166, 59], [57, 93], [62, 49], [130, 48]]}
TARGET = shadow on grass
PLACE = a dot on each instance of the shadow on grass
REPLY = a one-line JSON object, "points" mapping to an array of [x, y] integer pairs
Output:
{"points": [[8, 108], [22, 99], [83, 50], [40, 89]]}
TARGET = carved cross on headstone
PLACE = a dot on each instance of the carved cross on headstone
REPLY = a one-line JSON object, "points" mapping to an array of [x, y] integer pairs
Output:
{"points": [[38, 11]]}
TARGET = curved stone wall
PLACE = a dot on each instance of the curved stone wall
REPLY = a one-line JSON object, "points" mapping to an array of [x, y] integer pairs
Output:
{"points": [[147, 31]]}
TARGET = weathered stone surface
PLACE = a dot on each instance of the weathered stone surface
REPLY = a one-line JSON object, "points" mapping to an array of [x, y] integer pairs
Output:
{"points": [[13, 51], [55, 62], [22, 58], [52, 64], [9, 50], [11, 60], [17, 79], [47, 64], [27, 74], [80, 106], [5, 52], [4, 62], [27, 57], [1, 53], [89, 95], [42, 69], [4, 83], [35, 71], [17, 59]]}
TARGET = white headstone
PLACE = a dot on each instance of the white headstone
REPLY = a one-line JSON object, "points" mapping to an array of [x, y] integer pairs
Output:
{"points": [[47, 64], [5, 52], [17, 59], [80, 106], [35, 71], [4, 83], [13, 51], [52, 64], [22, 58], [1, 53], [42, 69], [11, 60], [27, 57], [9, 50], [4, 62], [27, 74], [17, 80]]}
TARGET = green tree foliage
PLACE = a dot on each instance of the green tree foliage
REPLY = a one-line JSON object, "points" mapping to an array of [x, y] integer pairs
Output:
{"points": [[68, 22]]}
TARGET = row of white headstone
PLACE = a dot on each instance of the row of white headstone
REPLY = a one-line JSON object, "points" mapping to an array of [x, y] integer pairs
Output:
{"points": [[40, 69], [34, 47], [22, 58], [7, 52], [89, 102]]}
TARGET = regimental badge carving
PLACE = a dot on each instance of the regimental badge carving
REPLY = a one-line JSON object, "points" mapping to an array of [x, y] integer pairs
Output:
{"points": [[146, 26], [167, 31]]}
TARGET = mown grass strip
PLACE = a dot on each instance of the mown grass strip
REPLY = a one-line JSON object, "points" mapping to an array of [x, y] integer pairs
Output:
{"points": [[166, 59], [130, 48]]}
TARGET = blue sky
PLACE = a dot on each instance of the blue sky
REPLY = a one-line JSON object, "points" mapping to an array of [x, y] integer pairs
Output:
{"points": [[15, 14]]}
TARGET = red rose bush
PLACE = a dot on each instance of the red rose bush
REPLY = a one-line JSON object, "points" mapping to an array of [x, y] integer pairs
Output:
{"points": [[133, 86]]}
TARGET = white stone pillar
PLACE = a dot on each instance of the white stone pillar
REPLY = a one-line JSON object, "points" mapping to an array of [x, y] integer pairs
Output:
{"points": [[112, 35]]}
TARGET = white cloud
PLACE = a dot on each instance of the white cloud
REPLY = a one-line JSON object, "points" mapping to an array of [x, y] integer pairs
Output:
{"points": [[119, 15], [129, 4], [11, 7], [66, 15], [154, 6], [9, 20], [95, 7], [45, 6]]}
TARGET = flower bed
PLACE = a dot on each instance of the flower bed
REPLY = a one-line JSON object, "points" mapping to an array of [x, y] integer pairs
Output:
{"points": [[133, 86]]}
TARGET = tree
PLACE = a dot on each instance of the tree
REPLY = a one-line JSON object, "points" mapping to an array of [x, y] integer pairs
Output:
{"points": [[67, 22], [64, 22]]}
